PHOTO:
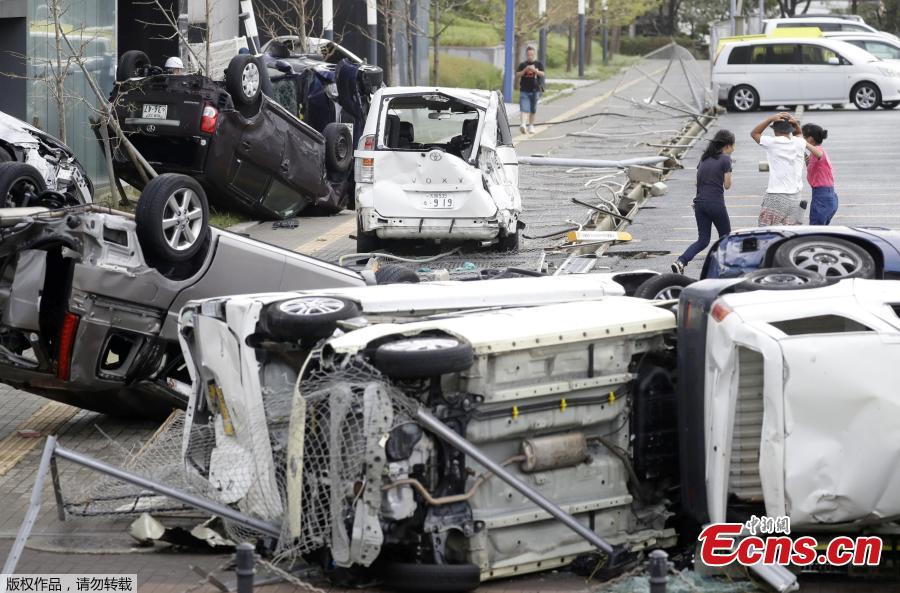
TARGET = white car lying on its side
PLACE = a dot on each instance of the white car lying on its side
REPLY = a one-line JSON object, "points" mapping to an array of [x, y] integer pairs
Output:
{"points": [[437, 164]]}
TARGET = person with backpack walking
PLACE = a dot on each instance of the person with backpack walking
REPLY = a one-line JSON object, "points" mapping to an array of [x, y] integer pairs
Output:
{"points": [[713, 178]]}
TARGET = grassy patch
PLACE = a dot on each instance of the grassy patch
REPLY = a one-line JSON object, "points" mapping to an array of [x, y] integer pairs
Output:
{"points": [[455, 71], [223, 220], [470, 33]]}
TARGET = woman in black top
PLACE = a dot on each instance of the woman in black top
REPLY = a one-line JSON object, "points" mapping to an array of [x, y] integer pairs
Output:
{"points": [[713, 178]]}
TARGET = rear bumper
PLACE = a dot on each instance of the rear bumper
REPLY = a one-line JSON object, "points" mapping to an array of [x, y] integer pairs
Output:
{"points": [[451, 229]]}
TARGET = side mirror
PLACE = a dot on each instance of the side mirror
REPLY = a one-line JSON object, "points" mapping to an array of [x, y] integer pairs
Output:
{"points": [[833, 61]]}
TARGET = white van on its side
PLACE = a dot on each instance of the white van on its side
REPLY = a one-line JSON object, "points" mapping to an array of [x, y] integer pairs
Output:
{"points": [[802, 71]]}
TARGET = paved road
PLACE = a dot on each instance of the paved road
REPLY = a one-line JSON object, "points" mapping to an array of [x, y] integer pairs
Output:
{"points": [[862, 145]]}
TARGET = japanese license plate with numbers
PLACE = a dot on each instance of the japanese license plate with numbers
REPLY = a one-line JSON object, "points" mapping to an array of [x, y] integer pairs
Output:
{"points": [[152, 111], [438, 201]]}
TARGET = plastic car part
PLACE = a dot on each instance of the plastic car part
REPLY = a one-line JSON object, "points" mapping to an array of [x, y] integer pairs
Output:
{"points": [[663, 287], [423, 357], [431, 578], [131, 64], [783, 279], [19, 184], [172, 218], [306, 317], [394, 274], [243, 79], [338, 148], [827, 256]]}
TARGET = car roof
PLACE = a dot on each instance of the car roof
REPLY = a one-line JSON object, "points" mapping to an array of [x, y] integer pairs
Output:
{"points": [[817, 19], [862, 35], [475, 96]]}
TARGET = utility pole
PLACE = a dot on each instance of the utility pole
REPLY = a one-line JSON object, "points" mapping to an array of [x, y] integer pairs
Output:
{"points": [[328, 20], [604, 7], [510, 40], [732, 10], [581, 38], [372, 22], [762, 16], [542, 39]]}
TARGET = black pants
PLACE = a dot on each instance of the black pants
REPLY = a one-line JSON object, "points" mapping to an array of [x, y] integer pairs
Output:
{"points": [[707, 213]]}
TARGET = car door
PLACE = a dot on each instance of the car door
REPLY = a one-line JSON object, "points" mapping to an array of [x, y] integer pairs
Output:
{"points": [[505, 149], [773, 72], [497, 157], [824, 74]]}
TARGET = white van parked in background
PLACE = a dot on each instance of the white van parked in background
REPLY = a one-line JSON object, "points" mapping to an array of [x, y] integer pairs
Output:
{"points": [[802, 71], [876, 44], [823, 23]]}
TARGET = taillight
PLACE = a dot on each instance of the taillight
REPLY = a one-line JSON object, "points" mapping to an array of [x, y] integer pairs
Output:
{"points": [[365, 166], [209, 119], [720, 311], [66, 346]]}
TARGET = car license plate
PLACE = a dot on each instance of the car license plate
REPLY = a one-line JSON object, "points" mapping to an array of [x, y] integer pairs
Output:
{"points": [[155, 111], [438, 202]]}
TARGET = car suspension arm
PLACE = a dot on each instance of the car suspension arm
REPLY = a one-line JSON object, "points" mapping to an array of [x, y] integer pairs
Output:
{"points": [[450, 436]]}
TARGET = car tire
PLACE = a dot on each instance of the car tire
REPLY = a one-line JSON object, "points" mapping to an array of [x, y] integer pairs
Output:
{"points": [[395, 274], [172, 218], [243, 79], [431, 578], [829, 257], [338, 148], [743, 98], [19, 184], [663, 287], [889, 104], [306, 317], [5, 155], [508, 242], [367, 242], [130, 62], [782, 279], [866, 96], [423, 357]]}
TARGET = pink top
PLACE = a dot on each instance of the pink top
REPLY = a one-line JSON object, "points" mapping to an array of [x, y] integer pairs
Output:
{"points": [[818, 171]]}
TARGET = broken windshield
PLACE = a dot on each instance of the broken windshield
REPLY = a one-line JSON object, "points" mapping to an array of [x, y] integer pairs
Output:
{"points": [[429, 122]]}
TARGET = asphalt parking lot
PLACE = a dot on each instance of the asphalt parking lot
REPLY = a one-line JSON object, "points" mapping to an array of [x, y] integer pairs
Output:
{"points": [[861, 145]]}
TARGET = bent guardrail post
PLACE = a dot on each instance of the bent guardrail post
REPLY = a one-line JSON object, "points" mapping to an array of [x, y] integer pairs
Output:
{"points": [[446, 433], [590, 163], [34, 507], [210, 506]]}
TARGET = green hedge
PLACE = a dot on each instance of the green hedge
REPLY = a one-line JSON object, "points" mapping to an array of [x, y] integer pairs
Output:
{"points": [[642, 45], [455, 71]]}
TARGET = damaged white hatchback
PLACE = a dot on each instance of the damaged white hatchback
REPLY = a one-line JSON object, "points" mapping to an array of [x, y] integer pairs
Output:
{"points": [[437, 164], [574, 399]]}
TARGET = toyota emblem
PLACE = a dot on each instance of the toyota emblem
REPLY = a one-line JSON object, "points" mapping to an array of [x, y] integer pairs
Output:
{"points": [[151, 128], [435, 155]]}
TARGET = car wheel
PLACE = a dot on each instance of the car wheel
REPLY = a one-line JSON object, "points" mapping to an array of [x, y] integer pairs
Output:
{"points": [[367, 242], [508, 242], [243, 79], [827, 256], [306, 317], [865, 96], [743, 98], [130, 63], [431, 578], [663, 287], [19, 184], [782, 279], [889, 104], [338, 148], [395, 274], [172, 218], [423, 357]]}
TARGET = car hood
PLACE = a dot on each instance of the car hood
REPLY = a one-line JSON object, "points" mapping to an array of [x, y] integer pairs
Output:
{"points": [[15, 131]]}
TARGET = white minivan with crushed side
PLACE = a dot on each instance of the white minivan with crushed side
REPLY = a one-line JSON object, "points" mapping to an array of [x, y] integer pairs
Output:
{"points": [[437, 164], [802, 71]]}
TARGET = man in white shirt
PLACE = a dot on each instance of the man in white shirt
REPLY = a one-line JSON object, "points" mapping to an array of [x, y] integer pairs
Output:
{"points": [[785, 151]]}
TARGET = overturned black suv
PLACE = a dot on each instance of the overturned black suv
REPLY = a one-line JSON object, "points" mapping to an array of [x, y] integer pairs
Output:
{"points": [[273, 138]]}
